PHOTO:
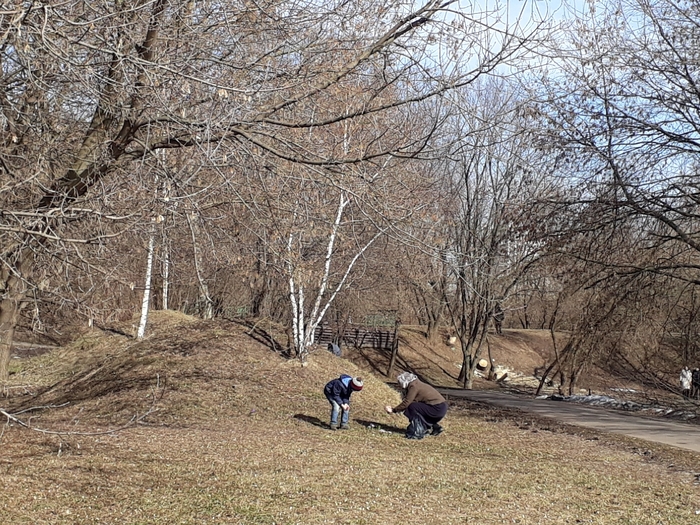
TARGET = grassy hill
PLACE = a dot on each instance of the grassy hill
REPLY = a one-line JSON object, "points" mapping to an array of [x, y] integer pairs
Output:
{"points": [[518, 352], [521, 354], [202, 423]]}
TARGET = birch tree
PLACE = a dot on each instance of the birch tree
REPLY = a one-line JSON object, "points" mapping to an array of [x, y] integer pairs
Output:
{"points": [[92, 89], [304, 323], [145, 303]]}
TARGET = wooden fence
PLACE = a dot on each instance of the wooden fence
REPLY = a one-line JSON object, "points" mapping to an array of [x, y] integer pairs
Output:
{"points": [[361, 336], [357, 336]]}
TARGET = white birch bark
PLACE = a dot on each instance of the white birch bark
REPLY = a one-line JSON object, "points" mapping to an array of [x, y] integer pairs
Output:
{"points": [[166, 271], [166, 244], [304, 327], [313, 317], [147, 289], [295, 297]]}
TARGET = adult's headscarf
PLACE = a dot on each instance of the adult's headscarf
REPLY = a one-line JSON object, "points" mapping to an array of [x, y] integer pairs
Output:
{"points": [[405, 378]]}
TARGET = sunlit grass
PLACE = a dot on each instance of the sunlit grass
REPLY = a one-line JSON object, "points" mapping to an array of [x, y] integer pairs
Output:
{"points": [[240, 437]]}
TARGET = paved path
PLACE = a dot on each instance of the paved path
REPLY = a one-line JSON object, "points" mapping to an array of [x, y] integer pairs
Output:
{"points": [[677, 434]]}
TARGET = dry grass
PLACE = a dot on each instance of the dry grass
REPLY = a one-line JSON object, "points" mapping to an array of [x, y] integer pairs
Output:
{"points": [[240, 437]]}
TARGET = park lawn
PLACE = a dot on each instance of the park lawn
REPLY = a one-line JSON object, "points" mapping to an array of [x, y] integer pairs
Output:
{"points": [[227, 431]]}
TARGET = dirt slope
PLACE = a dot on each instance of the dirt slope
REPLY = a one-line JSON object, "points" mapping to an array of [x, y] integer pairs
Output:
{"points": [[192, 370], [518, 352], [521, 354]]}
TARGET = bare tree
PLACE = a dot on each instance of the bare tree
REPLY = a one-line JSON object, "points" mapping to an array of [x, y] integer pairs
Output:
{"points": [[91, 90], [495, 177], [621, 104], [624, 110]]}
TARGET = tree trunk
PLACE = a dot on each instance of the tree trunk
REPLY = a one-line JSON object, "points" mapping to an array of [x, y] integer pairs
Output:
{"points": [[469, 382], [14, 291], [562, 382], [9, 314], [394, 351], [432, 328], [463, 370], [146, 290], [260, 288], [207, 309], [166, 273], [464, 375], [543, 380], [572, 383], [491, 376]]}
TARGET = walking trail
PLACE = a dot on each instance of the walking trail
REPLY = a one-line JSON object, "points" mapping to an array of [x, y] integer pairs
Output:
{"points": [[674, 433]]}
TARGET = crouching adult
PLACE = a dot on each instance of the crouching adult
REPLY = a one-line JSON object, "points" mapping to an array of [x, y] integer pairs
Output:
{"points": [[422, 405]]}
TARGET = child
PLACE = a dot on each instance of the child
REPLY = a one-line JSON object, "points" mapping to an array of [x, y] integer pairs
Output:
{"points": [[338, 393]]}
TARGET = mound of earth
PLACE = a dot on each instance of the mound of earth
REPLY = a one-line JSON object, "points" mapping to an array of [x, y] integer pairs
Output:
{"points": [[186, 371]]}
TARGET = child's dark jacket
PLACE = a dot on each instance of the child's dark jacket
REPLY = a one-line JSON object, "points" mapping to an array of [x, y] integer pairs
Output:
{"points": [[339, 389]]}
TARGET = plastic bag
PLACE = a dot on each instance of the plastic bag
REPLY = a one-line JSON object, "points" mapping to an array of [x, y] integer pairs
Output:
{"points": [[417, 429]]}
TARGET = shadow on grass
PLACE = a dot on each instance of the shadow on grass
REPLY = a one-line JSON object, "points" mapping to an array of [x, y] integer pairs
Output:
{"points": [[259, 334], [380, 426], [371, 425], [311, 420]]}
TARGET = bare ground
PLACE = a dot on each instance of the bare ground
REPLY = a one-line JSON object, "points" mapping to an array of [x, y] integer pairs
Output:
{"points": [[217, 428]]}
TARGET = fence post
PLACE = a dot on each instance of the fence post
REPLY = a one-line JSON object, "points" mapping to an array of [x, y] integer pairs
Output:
{"points": [[394, 349]]}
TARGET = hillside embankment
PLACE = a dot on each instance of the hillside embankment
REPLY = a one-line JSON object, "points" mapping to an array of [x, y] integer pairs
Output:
{"points": [[201, 422]]}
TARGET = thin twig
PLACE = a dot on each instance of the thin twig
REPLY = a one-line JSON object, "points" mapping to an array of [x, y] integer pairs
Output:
{"points": [[132, 422], [136, 419]]}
